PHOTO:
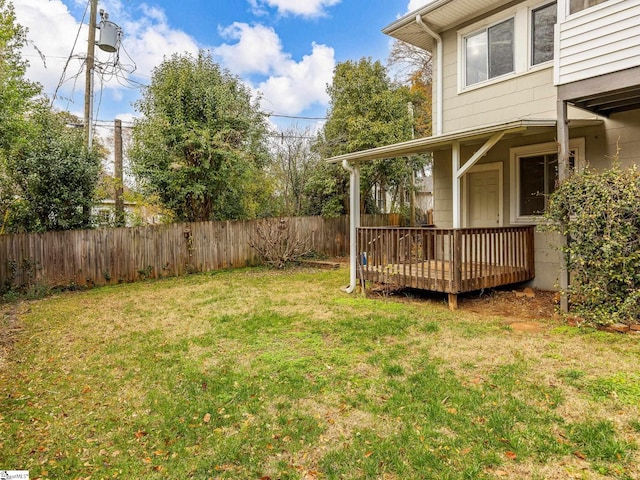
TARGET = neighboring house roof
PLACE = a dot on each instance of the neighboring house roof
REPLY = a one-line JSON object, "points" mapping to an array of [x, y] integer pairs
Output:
{"points": [[440, 15], [444, 141]]}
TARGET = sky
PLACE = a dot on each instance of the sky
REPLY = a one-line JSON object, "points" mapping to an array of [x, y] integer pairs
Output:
{"points": [[284, 50]]}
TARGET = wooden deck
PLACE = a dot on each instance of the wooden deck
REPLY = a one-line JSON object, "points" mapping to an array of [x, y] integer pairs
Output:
{"points": [[451, 261]]}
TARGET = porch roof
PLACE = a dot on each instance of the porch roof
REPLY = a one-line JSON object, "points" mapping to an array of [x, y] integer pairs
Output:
{"points": [[467, 136]]}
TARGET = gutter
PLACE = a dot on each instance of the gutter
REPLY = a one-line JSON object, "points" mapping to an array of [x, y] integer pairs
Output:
{"points": [[354, 222], [439, 63]]}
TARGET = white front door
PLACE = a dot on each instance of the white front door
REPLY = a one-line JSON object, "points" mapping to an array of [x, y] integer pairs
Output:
{"points": [[484, 188]]}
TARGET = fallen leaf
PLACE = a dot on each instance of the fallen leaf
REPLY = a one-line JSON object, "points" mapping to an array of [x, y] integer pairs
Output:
{"points": [[207, 418], [510, 455], [579, 455], [368, 454], [140, 434]]}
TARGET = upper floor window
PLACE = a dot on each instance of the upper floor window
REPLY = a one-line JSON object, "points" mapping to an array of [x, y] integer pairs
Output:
{"points": [[579, 5], [543, 20], [489, 52]]}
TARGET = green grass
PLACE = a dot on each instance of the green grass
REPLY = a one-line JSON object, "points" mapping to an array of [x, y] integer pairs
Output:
{"points": [[255, 373]]}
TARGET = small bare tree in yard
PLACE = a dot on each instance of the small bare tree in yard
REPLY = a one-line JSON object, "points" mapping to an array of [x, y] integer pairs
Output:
{"points": [[277, 243]]}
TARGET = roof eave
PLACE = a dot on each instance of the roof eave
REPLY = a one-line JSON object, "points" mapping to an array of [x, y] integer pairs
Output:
{"points": [[429, 144], [409, 18]]}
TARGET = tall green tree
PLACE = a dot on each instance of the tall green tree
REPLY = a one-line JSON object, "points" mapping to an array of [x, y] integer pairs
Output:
{"points": [[47, 176], [367, 110], [16, 92], [201, 144], [53, 177]]}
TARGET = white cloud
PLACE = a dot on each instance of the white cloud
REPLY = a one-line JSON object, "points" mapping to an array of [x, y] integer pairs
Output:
{"points": [[416, 4], [252, 51], [300, 85], [147, 38], [292, 86], [305, 8], [54, 41], [257, 50], [148, 41]]}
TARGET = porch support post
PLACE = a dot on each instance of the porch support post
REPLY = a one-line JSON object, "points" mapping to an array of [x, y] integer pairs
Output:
{"points": [[563, 174], [354, 221], [455, 192]]}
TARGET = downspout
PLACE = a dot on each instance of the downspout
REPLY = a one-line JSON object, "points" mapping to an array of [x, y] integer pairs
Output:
{"points": [[354, 222], [439, 73]]}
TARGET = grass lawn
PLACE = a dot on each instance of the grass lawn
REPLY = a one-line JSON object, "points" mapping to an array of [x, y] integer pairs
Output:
{"points": [[275, 375]]}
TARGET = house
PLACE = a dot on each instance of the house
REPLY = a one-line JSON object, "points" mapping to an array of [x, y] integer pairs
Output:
{"points": [[104, 212], [525, 93]]}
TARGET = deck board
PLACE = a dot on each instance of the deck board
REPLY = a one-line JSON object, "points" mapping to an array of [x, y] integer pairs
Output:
{"points": [[447, 260], [437, 276]]}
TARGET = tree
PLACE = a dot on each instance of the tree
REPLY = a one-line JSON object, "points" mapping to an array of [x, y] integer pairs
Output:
{"points": [[292, 166], [42, 182], [16, 92], [53, 175], [414, 67], [367, 110], [201, 144], [410, 62]]}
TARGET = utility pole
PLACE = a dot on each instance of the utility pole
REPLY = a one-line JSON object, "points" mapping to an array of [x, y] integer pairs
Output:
{"points": [[88, 89], [117, 173]]}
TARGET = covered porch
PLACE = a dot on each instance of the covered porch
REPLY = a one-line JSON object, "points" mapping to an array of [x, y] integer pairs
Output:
{"points": [[461, 257], [480, 244], [450, 261]]}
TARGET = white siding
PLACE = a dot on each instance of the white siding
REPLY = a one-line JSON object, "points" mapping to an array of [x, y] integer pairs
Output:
{"points": [[597, 41]]}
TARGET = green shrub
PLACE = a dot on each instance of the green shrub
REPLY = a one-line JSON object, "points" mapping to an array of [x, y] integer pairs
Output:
{"points": [[600, 213]]}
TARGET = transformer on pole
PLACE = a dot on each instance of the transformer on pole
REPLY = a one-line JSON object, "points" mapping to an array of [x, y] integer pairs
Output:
{"points": [[109, 41]]}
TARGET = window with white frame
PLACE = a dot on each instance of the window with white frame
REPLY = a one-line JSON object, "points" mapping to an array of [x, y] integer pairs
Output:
{"points": [[507, 44], [579, 5], [543, 20], [534, 177], [489, 52]]}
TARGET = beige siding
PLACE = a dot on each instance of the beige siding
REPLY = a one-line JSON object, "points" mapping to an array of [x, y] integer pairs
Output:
{"points": [[622, 132], [442, 188], [548, 261], [598, 41], [528, 95]]}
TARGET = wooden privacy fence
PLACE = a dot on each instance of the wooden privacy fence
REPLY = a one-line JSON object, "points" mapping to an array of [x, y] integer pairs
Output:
{"points": [[97, 257]]}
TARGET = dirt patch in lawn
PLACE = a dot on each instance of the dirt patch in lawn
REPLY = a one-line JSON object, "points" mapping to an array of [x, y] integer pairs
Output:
{"points": [[516, 304], [513, 303]]}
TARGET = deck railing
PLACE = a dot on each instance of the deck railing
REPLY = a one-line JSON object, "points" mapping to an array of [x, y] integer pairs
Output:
{"points": [[446, 260]]}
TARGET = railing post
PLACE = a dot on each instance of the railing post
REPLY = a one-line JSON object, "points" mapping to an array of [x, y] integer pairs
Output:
{"points": [[456, 271]]}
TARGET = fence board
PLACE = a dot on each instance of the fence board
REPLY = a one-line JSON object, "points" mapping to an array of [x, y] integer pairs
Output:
{"points": [[102, 256]]}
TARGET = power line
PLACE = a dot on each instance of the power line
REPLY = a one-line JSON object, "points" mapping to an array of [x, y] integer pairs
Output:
{"points": [[273, 114], [64, 70]]}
